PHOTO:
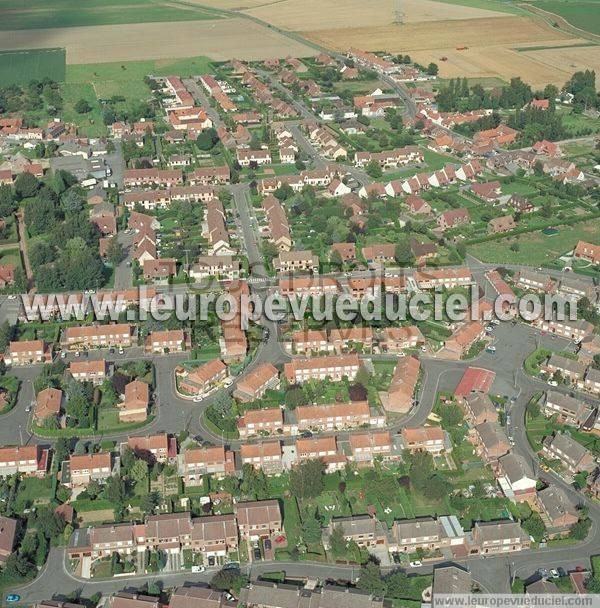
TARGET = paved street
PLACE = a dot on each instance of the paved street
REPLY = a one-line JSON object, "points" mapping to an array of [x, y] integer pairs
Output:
{"points": [[514, 342]]}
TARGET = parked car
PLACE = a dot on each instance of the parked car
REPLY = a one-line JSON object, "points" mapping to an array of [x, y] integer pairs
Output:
{"points": [[416, 564]]}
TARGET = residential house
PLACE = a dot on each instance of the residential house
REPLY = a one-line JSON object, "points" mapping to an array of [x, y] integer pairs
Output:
{"points": [[259, 519], [291, 261], [87, 467], [491, 441], [459, 343], [319, 368], [255, 383], [28, 351], [337, 416], [47, 404], [27, 460], [504, 223], [516, 478], [479, 408], [94, 371], [558, 512], [171, 341], [8, 537], [365, 531], [569, 409], [499, 537], [265, 456], [365, 447], [134, 407], [98, 336], [154, 448], [203, 378], [267, 421], [195, 463], [430, 439], [573, 455], [399, 396], [453, 218]]}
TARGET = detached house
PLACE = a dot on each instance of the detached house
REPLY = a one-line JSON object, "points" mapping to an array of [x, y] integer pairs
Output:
{"points": [[247, 157], [453, 218]]}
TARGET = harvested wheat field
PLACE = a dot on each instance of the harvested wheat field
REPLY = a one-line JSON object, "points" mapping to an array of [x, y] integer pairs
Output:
{"points": [[230, 5], [491, 43], [301, 15], [219, 40], [568, 59], [507, 31]]}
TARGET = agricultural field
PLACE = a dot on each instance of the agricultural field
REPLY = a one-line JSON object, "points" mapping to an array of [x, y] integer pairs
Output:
{"points": [[21, 67], [584, 15], [70, 13], [306, 15], [567, 59], [219, 39]]}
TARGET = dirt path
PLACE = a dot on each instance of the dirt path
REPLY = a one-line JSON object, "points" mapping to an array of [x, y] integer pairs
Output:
{"points": [[23, 249]]}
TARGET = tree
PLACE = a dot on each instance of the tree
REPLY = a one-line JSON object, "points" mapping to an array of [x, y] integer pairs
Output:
{"points": [[7, 201], [311, 529], [26, 185], [115, 252], [294, 397], [432, 69], [581, 529], [139, 471], [207, 139], [7, 334], [451, 415], [370, 579], [254, 483], [93, 489], [61, 450], [373, 169], [534, 526], [116, 490], [17, 566], [403, 253], [72, 201], [397, 584], [306, 479], [436, 487], [82, 106], [230, 579], [337, 541]]}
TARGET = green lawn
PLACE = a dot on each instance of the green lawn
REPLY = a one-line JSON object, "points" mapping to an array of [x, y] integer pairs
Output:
{"points": [[19, 15], [126, 78], [583, 15], [536, 248], [90, 123], [10, 256]]}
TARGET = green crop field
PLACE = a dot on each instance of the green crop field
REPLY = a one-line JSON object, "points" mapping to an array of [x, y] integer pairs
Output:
{"points": [[33, 14], [583, 14], [21, 67]]}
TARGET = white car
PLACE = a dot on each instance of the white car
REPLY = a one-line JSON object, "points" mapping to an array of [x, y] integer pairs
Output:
{"points": [[554, 573], [12, 296], [77, 353], [63, 354], [552, 382], [227, 382], [198, 398], [198, 568], [416, 564], [121, 351], [495, 322]]}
